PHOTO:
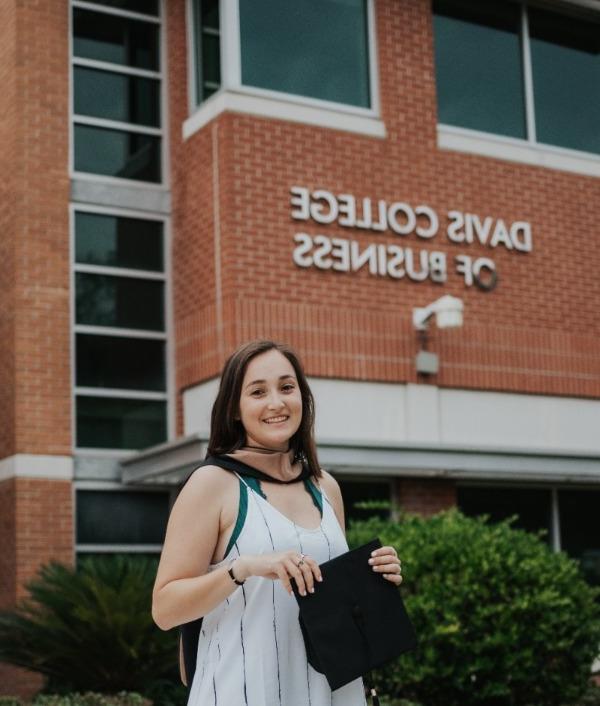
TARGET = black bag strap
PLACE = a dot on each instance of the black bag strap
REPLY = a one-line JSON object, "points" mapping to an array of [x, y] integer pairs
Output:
{"points": [[235, 465]]}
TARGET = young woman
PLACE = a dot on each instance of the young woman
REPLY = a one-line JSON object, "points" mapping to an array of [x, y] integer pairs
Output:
{"points": [[233, 543]]}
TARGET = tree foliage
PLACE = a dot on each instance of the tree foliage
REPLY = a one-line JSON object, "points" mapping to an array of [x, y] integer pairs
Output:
{"points": [[91, 629], [501, 619]]}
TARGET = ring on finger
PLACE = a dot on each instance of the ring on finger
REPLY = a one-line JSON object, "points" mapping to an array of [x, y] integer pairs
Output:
{"points": [[299, 563]]}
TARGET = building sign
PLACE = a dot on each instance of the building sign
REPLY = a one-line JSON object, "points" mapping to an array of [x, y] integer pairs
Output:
{"points": [[400, 219]]}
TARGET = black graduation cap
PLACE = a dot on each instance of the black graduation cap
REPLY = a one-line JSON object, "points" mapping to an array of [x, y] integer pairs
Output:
{"points": [[355, 620]]}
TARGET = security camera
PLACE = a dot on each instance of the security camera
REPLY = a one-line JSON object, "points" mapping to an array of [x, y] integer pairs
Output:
{"points": [[448, 312]]}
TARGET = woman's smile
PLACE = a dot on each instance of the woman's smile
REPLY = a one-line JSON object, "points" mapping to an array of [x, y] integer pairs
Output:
{"points": [[276, 420]]}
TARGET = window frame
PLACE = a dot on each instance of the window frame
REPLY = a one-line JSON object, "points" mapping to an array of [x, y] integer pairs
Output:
{"points": [[555, 533], [160, 75], [167, 335], [109, 486], [233, 95], [514, 149]]}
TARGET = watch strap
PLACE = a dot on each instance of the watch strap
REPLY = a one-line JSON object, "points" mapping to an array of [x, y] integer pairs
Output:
{"points": [[230, 572]]}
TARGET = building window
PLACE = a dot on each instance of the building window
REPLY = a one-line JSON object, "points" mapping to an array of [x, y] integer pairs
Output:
{"points": [[478, 66], [365, 498], [207, 48], [532, 506], [120, 331], [565, 63], [288, 46], [315, 48], [580, 529], [116, 74], [518, 71], [115, 521], [569, 517]]}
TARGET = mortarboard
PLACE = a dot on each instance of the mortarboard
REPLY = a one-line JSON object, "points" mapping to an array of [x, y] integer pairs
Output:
{"points": [[355, 620]]}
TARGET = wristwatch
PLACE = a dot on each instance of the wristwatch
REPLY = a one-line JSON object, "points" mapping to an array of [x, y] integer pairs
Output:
{"points": [[230, 572]]}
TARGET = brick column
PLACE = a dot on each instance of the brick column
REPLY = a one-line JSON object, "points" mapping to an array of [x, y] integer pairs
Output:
{"points": [[36, 526], [36, 515]]}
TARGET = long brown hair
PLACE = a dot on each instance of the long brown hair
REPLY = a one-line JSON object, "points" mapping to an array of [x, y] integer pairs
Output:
{"points": [[228, 434]]}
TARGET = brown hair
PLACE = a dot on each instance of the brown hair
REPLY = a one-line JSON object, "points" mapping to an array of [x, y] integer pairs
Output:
{"points": [[228, 434]]}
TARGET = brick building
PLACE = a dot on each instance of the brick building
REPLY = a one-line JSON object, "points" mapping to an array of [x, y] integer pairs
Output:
{"points": [[179, 176]]}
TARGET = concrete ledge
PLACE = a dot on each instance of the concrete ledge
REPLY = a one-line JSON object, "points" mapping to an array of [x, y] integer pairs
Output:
{"points": [[251, 102], [36, 466]]}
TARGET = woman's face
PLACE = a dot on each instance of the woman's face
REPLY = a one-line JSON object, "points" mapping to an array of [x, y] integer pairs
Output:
{"points": [[270, 401]]}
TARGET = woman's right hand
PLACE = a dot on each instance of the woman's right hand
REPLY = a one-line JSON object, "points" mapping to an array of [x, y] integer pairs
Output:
{"points": [[282, 566]]}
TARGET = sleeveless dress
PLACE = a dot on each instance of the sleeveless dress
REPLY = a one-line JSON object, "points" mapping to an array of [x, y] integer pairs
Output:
{"points": [[250, 649]]}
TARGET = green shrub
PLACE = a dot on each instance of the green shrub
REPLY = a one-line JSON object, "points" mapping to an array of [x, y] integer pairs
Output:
{"points": [[10, 701], [501, 619], [91, 629], [591, 697], [90, 698]]}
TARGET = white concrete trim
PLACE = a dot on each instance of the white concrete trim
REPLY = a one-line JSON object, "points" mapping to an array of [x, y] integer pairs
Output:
{"points": [[120, 332], [108, 10], [118, 548], [386, 415], [115, 68], [36, 466], [249, 101], [512, 149], [104, 123], [115, 271]]}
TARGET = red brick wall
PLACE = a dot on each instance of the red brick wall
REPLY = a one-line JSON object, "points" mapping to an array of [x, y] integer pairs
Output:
{"points": [[44, 525], [8, 555], [36, 526], [8, 215], [36, 517], [425, 497], [537, 332], [34, 246]]}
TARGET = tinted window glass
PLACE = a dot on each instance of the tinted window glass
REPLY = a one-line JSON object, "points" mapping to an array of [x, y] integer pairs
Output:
{"points": [[104, 37], [103, 422], [207, 47], [113, 96], [118, 242], [565, 58], [125, 363], [316, 48], [532, 506], [209, 13], [121, 517], [355, 493], [580, 529], [147, 7], [127, 302], [114, 153], [478, 66], [211, 63]]}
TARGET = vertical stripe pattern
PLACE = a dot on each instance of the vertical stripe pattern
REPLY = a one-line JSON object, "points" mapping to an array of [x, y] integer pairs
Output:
{"points": [[251, 651]]}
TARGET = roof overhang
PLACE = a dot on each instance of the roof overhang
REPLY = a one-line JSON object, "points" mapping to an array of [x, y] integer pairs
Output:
{"points": [[170, 463]]}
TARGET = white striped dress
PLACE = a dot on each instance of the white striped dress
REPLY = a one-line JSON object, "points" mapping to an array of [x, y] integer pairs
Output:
{"points": [[250, 650]]}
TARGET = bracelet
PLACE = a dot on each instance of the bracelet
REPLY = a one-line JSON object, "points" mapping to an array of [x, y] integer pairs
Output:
{"points": [[230, 572]]}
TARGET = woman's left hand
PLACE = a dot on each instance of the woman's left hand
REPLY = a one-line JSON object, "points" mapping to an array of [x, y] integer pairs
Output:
{"points": [[385, 560]]}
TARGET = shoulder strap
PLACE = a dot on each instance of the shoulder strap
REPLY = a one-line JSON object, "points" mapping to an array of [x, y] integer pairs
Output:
{"points": [[233, 464], [315, 494]]}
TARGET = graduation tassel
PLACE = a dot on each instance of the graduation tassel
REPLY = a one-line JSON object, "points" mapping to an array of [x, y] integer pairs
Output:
{"points": [[372, 690], [375, 698]]}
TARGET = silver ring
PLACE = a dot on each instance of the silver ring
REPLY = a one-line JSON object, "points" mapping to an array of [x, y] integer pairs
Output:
{"points": [[301, 560]]}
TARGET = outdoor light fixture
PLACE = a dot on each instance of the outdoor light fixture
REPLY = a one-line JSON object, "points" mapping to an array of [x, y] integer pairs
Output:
{"points": [[448, 311]]}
